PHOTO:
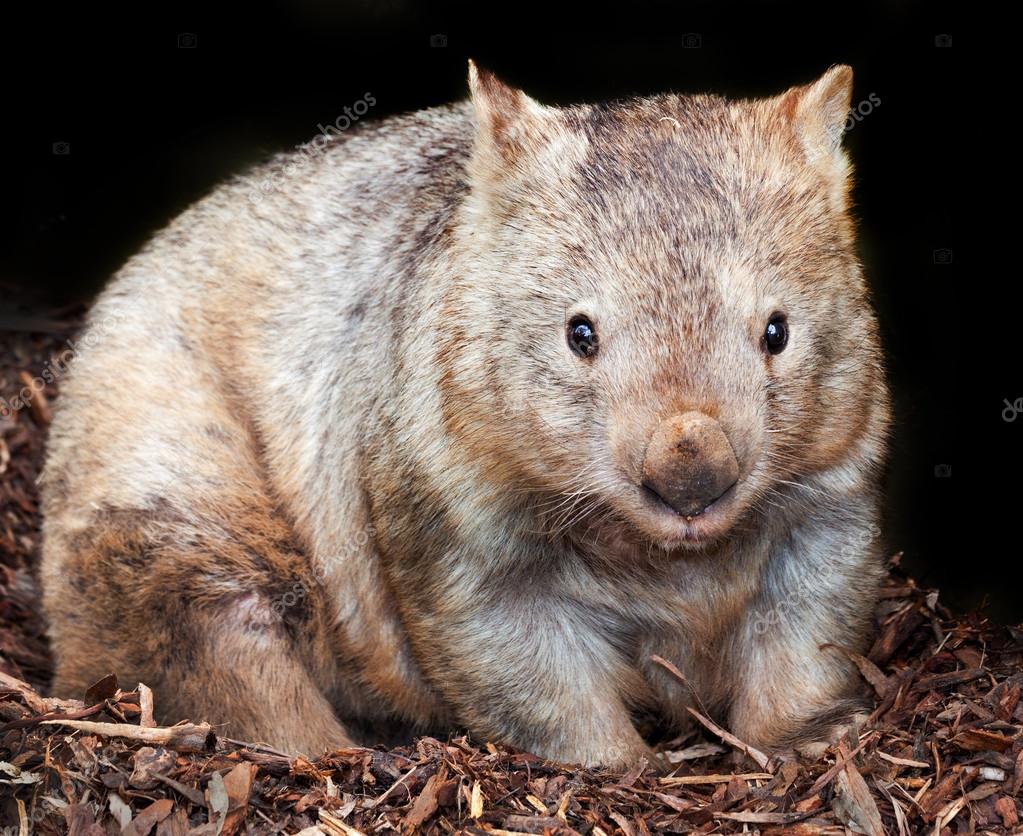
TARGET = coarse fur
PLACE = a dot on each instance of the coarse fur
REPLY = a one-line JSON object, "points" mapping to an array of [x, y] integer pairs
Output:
{"points": [[325, 461]]}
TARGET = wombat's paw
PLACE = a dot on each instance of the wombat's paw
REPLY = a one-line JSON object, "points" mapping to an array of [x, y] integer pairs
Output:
{"points": [[626, 757], [659, 763], [615, 756], [790, 755], [826, 736]]}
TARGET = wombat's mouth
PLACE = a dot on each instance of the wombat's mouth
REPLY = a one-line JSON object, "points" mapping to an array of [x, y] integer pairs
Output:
{"points": [[689, 516], [665, 525]]}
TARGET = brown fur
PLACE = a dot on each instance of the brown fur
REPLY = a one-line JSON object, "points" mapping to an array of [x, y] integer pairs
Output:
{"points": [[335, 465]]}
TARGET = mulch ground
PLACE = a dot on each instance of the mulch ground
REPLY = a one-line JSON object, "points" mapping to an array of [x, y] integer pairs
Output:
{"points": [[942, 752]]}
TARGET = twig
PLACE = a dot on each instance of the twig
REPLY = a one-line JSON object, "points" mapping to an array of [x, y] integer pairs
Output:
{"points": [[29, 722], [22, 819], [759, 757], [256, 747], [681, 677], [335, 825], [196, 737], [840, 762], [391, 788], [713, 779], [764, 818], [190, 793], [902, 761]]}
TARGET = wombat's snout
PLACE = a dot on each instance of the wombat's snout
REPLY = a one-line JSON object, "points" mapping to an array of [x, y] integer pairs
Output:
{"points": [[689, 463]]}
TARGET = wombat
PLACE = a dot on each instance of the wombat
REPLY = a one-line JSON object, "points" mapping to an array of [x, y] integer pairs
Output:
{"points": [[472, 415]]}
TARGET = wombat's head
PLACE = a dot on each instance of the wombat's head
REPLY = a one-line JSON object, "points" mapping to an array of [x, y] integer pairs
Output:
{"points": [[659, 318]]}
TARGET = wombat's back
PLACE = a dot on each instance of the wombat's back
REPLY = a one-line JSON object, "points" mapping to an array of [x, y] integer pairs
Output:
{"points": [[263, 293], [236, 357]]}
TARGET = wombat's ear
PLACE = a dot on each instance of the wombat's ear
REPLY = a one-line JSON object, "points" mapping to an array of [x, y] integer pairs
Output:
{"points": [[818, 112], [509, 121]]}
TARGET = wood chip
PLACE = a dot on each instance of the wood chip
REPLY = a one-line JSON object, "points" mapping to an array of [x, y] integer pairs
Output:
{"points": [[1006, 808], [476, 802], [978, 740], [426, 804], [38, 404], [238, 783], [335, 826], [903, 761], [149, 818], [854, 804], [146, 706]]}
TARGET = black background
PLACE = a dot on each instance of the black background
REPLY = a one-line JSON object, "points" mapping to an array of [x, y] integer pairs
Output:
{"points": [[151, 126]]}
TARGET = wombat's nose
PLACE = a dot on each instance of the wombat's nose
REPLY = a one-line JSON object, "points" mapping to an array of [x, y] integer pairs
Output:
{"points": [[689, 463]]}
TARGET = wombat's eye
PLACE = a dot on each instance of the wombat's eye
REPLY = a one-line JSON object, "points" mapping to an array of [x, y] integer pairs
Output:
{"points": [[582, 338], [776, 335]]}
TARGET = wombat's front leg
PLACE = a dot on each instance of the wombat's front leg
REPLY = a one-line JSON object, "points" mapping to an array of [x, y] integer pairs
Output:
{"points": [[819, 589], [534, 673]]}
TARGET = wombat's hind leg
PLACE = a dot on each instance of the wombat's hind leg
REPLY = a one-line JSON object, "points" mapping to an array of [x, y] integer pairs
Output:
{"points": [[225, 625], [247, 675]]}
